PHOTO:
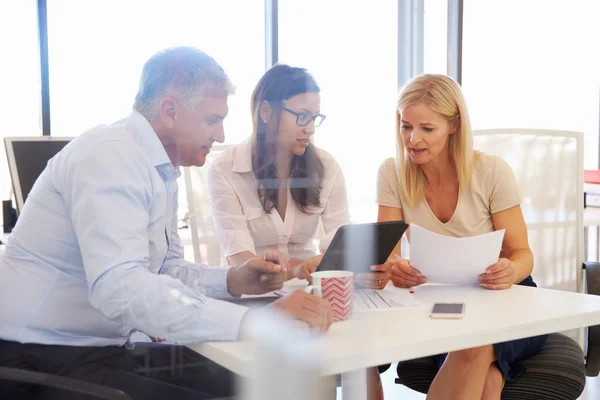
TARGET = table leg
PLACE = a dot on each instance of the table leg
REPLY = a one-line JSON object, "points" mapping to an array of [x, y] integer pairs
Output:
{"points": [[354, 385]]}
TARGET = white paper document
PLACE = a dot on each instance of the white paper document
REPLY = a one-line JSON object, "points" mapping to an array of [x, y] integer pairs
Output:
{"points": [[459, 261], [370, 299]]}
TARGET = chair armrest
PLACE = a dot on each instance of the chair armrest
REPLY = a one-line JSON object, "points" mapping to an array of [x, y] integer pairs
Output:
{"points": [[61, 382], [592, 279]]}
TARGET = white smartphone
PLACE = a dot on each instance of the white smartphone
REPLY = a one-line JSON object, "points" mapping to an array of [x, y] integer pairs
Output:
{"points": [[448, 310]]}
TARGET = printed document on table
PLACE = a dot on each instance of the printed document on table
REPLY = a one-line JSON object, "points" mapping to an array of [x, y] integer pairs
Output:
{"points": [[449, 260], [390, 298]]}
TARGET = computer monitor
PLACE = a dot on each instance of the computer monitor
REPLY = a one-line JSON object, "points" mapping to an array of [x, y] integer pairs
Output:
{"points": [[27, 158]]}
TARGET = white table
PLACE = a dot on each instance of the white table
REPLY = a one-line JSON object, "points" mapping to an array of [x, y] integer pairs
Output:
{"points": [[380, 337]]}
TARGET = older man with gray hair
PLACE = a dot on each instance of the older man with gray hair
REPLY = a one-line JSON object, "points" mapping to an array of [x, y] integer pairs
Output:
{"points": [[95, 255]]}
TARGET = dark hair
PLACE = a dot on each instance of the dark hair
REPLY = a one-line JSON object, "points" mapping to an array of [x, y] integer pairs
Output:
{"points": [[280, 83]]}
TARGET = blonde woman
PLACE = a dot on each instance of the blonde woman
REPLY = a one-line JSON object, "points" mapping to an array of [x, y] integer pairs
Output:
{"points": [[440, 183]]}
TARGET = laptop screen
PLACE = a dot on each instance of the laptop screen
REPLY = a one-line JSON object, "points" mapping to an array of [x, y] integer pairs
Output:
{"points": [[27, 159]]}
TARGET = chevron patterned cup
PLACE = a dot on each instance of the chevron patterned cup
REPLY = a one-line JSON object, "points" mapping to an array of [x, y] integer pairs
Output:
{"points": [[338, 288]]}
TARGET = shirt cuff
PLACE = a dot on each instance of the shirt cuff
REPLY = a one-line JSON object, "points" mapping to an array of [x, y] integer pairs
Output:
{"points": [[228, 316], [213, 282]]}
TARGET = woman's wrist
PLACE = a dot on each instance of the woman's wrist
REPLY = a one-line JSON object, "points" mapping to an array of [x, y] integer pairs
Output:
{"points": [[291, 273], [394, 257]]}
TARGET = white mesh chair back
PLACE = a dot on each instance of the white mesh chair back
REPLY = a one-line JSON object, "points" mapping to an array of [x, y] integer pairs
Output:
{"points": [[548, 166], [204, 243]]}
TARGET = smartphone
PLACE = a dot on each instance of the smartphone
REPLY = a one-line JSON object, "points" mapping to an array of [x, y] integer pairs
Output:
{"points": [[448, 310]]}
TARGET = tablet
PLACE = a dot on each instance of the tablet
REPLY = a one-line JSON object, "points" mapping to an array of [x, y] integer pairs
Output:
{"points": [[356, 247]]}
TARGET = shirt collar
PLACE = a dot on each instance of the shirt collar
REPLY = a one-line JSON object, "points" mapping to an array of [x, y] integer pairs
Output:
{"points": [[152, 147], [242, 161], [148, 139]]}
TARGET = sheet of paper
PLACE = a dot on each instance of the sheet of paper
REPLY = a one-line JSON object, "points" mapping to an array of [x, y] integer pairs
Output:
{"points": [[460, 261], [370, 299]]}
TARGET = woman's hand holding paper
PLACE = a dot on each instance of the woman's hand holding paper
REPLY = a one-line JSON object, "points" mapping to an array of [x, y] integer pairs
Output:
{"points": [[405, 276]]}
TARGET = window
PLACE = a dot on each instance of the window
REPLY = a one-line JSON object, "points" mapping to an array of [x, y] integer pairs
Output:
{"points": [[97, 50], [353, 56], [534, 64], [435, 37], [19, 78]]}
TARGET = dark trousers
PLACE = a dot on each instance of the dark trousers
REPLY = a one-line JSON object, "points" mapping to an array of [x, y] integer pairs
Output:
{"points": [[150, 371]]}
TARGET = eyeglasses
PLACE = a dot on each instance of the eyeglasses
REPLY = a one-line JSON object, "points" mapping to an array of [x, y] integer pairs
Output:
{"points": [[305, 118]]}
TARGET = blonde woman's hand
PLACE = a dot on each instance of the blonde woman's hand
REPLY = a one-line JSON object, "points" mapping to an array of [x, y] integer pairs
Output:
{"points": [[378, 278], [499, 276], [405, 276]]}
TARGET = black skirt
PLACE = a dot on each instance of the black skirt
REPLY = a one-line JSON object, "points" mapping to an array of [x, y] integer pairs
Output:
{"points": [[510, 354]]}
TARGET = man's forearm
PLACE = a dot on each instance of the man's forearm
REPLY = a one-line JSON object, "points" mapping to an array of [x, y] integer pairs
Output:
{"points": [[163, 307], [208, 280]]}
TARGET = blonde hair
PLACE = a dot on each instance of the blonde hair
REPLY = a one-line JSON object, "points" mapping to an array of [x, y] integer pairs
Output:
{"points": [[442, 95]]}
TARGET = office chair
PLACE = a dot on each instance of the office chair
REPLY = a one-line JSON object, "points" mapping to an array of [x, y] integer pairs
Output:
{"points": [[61, 382]]}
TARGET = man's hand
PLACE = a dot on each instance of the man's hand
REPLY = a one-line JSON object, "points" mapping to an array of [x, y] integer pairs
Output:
{"points": [[313, 310], [258, 275], [303, 307]]}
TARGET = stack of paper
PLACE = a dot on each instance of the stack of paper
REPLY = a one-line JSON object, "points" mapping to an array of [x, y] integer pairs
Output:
{"points": [[460, 261]]}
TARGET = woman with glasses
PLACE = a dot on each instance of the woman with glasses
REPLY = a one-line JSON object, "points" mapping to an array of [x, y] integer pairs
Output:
{"points": [[273, 190]]}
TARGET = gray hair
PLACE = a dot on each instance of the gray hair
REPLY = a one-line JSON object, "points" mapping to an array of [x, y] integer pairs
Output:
{"points": [[185, 73]]}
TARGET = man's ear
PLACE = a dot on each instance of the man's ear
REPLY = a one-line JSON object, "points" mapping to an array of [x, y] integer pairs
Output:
{"points": [[167, 111], [265, 111]]}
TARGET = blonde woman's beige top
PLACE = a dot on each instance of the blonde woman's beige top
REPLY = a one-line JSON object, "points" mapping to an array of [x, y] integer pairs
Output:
{"points": [[493, 188]]}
